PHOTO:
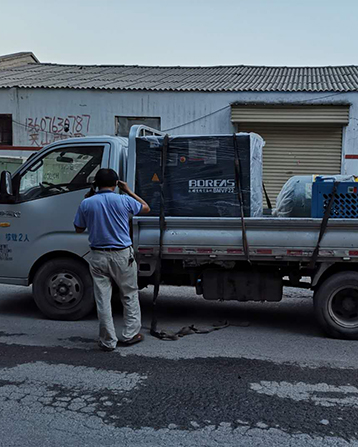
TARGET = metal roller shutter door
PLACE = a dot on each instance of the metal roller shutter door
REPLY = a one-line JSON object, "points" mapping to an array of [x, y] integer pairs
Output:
{"points": [[297, 149], [294, 114]]}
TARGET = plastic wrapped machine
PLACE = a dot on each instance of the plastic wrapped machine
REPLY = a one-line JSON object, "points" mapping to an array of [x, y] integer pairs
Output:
{"points": [[200, 175], [295, 197]]}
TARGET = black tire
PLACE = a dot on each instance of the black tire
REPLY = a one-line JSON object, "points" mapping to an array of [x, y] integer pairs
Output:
{"points": [[336, 305], [63, 289]]}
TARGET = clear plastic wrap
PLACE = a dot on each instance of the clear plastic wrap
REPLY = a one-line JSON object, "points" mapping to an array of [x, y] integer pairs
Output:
{"points": [[256, 199], [200, 175], [295, 197]]}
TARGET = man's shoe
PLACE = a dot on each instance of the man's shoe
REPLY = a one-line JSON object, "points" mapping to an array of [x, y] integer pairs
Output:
{"points": [[104, 347], [136, 339]]}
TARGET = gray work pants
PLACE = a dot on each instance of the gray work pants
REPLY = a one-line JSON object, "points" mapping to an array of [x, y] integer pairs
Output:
{"points": [[108, 266]]}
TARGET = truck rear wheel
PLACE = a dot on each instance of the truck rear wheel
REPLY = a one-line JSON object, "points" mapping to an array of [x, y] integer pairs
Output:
{"points": [[63, 289], [336, 305]]}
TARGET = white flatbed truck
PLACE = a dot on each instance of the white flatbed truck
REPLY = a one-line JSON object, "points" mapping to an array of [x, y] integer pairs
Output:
{"points": [[38, 244]]}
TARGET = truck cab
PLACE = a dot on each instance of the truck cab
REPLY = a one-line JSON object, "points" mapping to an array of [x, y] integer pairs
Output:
{"points": [[38, 203]]}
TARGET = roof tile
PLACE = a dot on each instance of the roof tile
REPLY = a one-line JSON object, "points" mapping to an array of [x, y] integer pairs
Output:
{"points": [[220, 78]]}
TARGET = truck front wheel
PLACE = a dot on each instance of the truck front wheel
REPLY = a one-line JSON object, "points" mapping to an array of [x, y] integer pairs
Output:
{"points": [[63, 289], [336, 305]]}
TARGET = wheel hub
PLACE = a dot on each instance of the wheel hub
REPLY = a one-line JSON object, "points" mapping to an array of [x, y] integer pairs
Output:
{"points": [[65, 288], [343, 307], [348, 304]]}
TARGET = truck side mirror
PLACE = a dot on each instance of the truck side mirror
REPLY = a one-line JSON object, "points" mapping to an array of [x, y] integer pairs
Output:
{"points": [[6, 190]]}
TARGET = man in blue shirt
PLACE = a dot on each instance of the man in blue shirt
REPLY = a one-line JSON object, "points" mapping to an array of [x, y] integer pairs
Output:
{"points": [[106, 215]]}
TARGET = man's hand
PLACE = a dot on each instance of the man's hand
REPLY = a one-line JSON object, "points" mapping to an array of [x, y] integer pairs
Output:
{"points": [[79, 229], [90, 193], [124, 187]]}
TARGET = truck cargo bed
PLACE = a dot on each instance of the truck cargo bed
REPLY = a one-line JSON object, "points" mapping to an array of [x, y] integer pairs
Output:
{"points": [[286, 239]]}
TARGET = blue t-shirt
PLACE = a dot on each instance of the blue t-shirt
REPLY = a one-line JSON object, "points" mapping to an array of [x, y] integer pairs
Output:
{"points": [[106, 215]]}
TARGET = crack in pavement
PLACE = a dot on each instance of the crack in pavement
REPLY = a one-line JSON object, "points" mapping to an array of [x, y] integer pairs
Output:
{"points": [[5, 334]]}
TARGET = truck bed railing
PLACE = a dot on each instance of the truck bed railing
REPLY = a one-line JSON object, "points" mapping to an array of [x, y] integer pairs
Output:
{"points": [[290, 239]]}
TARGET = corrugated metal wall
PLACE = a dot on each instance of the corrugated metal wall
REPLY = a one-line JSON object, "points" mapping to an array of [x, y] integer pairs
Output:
{"points": [[190, 113]]}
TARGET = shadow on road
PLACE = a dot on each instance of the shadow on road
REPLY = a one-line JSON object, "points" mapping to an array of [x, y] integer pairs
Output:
{"points": [[290, 315], [18, 302], [181, 306]]}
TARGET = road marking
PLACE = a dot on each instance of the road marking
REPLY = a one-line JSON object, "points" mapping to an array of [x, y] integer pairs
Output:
{"points": [[319, 393], [74, 390], [81, 377]]}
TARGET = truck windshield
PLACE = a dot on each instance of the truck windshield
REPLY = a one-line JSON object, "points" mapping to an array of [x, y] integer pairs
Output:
{"points": [[62, 170]]}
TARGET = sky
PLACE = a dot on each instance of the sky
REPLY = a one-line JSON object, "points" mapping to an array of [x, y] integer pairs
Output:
{"points": [[183, 32]]}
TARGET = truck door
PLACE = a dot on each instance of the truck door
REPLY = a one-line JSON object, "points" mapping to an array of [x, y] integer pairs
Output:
{"points": [[48, 190]]}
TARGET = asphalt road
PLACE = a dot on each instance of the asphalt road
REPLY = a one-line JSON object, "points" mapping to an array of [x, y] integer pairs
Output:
{"points": [[269, 379]]}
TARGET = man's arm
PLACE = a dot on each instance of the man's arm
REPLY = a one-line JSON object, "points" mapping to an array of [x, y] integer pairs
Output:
{"points": [[80, 221], [125, 188]]}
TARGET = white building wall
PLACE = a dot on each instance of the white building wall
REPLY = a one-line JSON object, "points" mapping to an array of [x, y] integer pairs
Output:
{"points": [[92, 112]]}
